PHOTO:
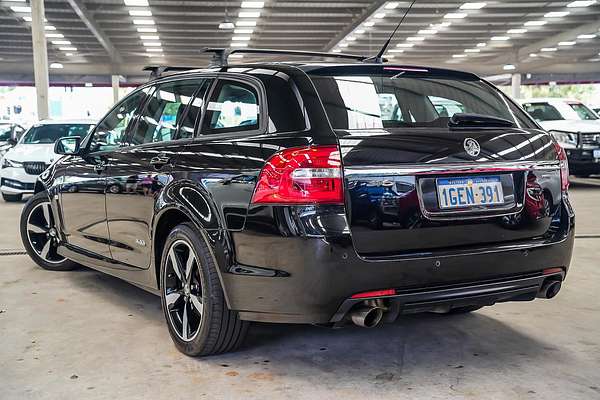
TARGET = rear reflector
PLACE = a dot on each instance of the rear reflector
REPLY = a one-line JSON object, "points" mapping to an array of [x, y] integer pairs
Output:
{"points": [[374, 293], [564, 167], [303, 175], [550, 271]]}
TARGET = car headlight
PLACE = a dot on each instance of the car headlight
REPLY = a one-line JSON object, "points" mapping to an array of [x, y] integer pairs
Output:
{"points": [[6, 163], [567, 140]]}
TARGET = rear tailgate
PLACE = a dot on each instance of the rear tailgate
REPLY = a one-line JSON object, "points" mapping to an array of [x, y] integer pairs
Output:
{"points": [[394, 183]]}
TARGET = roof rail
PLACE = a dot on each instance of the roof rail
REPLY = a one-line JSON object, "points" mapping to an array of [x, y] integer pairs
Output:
{"points": [[220, 55], [156, 71]]}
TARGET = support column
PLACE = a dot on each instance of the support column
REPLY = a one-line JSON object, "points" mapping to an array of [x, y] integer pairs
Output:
{"points": [[115, 87], [516, 86], [40, 58]]}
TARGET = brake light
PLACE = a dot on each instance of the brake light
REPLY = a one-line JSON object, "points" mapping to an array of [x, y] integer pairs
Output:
{"points": [[302, 175], [564, 167], [374, 293]]}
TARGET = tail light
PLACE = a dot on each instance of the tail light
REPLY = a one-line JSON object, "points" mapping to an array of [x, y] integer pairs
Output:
{"points": [[303, 175], [564, 167]]}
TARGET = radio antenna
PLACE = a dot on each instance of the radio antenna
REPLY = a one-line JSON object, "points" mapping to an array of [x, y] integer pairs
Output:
{"points": [[379, 57]]}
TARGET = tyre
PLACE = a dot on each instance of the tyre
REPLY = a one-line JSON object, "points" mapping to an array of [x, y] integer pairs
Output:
{"points": [[40, 236], [199, 321], [12, 197]]}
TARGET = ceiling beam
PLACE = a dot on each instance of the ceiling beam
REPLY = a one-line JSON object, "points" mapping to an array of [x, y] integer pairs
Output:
{"points": [[89, 21], [355, 23]]}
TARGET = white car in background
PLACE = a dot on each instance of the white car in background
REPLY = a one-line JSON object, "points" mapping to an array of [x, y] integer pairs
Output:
{"points": [[33, 153], [574, 126]]}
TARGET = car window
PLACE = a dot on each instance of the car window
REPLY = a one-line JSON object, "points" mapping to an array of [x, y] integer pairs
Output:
{"points": [[47, 134], [446, 107], [5, 132], [187, 124], [542, 112], [583, 112], [111, 131], [233, 107], [164, 112]]}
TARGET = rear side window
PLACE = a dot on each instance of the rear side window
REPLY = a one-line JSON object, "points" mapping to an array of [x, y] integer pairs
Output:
{"points": [[542, 112], [233, 107], [165, 111], [404, 98]]}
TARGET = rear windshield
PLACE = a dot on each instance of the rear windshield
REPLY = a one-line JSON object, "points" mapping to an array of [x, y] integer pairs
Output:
{"points": [[51, 133], [397, 97]]}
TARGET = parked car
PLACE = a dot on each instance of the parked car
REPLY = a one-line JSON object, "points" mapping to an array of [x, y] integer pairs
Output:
{"points": [[33, 153], [10, 133], [575, 126], [281, 193]]}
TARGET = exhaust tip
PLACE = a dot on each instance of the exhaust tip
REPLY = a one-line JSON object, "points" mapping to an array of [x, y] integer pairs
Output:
{"points": [[549, 289], [367, 317]]}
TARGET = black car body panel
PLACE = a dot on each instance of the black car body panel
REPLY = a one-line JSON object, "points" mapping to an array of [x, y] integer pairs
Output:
{"points": [[301, 263]]}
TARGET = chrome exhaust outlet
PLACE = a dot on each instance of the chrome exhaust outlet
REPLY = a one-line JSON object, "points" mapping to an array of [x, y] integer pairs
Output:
{"points": [[367, 317], [550, 288]]}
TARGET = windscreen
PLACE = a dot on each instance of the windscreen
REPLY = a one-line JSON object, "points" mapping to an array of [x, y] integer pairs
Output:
{"points": [[583, 112], [45, 134], [543, 112], [5, 132], [406, 99]]}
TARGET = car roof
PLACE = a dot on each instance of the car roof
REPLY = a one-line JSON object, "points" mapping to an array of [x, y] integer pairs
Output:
{"points": [[549, 100], [65, 121]]}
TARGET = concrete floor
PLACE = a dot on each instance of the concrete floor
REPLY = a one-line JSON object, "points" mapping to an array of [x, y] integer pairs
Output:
{"points": [[84, 334]]}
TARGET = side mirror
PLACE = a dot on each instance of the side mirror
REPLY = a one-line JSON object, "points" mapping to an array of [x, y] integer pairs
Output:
{"points": [[67, 145], [12, 141]]}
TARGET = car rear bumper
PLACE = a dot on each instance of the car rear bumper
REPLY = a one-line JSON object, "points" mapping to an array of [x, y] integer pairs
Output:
{"points": [[308, 280]]}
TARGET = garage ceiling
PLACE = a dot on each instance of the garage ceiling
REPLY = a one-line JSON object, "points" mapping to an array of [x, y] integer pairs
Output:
{"points": [[101, 36]]}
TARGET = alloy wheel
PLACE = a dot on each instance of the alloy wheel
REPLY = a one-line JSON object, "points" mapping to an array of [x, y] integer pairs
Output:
{"points": [[183, 290], [42, 233]]}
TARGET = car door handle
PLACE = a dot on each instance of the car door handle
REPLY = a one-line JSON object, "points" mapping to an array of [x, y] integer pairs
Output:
{"points": [[159, 161]]}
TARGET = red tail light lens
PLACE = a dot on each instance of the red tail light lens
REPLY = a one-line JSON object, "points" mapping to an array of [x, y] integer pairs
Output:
{"points": [[564, 167], [374, 293], [304, 175]]}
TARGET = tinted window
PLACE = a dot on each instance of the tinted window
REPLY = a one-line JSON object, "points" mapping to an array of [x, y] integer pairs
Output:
{"points": [[164, 112], [51, 133], [233, 107], [391, 97], [542, 112], [111, 131], [583, 112], [5, 132]]}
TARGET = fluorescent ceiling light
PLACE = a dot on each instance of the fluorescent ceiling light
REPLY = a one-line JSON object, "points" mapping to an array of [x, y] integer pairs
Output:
{"points": [[445, 24], [455, 15], [517, 31], [405, 45], [333, 51], [548, 49], [459, 55], [567, 43], [146, 30], [585, 3], [509, 67], [369, 23], [500, 38], [140, 13], [154, 49], [245, 23], [586, 36], [241, 38], [472, 50], [343, 44], [472, 6], [244, 31], [391, 5], [379, 15], [88, 84], [427, 32], [350, 39], [21, 9], [535, 23], [150, 37], [482, 44], [359, 31], [556, 14], [390, 56], [226, 25], [253, 4], [61, 42], [249, 14], [143, 22], [55, 35], [154, 55], [50, 27], [56, 66], [68, 54], [239, 44], [396, 51], [152, 44], [533, 55], [415, 38], [136, 3], [67, 48]]}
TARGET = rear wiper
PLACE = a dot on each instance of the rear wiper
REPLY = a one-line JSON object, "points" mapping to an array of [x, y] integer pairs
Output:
{"points": [[464, 120]]}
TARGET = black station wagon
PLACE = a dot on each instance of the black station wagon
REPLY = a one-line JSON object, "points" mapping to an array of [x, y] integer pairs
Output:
{"points": [[317, 193]]}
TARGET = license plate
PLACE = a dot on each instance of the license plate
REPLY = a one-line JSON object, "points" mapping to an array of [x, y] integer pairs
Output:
{"points": [[596, 153], [469, 191]]}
